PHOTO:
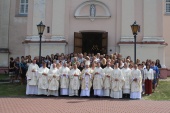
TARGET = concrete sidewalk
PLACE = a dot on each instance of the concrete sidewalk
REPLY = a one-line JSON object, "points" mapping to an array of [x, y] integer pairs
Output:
{"points": [[80, 105]]}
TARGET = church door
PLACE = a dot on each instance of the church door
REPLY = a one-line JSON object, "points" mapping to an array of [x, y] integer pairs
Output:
{"points": [[77, 42], [90, 42], [104, 42]]}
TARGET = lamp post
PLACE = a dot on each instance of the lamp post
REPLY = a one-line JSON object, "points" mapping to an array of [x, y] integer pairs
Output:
{"points": [[135, 29], [40, 28]]}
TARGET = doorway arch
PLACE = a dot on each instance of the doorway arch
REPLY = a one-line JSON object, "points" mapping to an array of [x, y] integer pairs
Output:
{"points": [[91, 41]]}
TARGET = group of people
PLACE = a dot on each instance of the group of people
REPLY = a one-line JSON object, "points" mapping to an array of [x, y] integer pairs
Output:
{"points": [[92, 75], [18, 69]]}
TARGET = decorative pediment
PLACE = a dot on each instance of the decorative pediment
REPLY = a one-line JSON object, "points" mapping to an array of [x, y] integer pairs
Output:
{"points": [[92, 10]]}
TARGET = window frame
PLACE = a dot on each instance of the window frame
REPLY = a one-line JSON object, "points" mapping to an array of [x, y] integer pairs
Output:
{"points": [[25, 4]]}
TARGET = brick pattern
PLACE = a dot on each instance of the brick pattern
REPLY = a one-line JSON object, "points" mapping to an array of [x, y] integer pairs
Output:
{"points": [[81, 105]]}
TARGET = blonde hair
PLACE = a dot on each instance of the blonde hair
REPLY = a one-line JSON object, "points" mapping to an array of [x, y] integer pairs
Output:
{"points": [[103, 61], [114, 57]]}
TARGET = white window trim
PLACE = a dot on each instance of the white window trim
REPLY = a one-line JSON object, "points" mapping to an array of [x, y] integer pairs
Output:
{"points": [[25, 4]]}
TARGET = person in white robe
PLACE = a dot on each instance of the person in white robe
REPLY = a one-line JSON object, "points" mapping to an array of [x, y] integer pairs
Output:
{"points": [[64, 79], [54, 61], [126, 71], [74, 85], [93, 66], [43, 80], [86, 78], [53, 79], [136, 83], [107, 71], [117, 82], [98, 81], [32, 86]]}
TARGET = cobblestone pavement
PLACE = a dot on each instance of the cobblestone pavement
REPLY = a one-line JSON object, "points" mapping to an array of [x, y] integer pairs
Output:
{"points": [[80, 105]]}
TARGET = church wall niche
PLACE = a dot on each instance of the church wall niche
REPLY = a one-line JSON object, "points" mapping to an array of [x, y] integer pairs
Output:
{"points": [[97, 9]]}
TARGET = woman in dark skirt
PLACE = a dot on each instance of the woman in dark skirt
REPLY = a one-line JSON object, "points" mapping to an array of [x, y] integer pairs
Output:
{"points": [[11, 65], [159, 66], [158, 63], [11, 69], [23, 69], [156, 75], [17, 68]]}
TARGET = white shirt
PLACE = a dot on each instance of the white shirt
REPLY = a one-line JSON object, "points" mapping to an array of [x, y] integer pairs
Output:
{"points": [[148, 74]]}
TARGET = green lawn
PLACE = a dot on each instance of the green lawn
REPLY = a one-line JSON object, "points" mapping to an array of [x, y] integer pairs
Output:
{"points": [[12, 89], [4, 76], [162, 92]]}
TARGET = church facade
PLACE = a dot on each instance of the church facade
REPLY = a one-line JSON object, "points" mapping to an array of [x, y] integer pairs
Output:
{"points": [[85, 26]]}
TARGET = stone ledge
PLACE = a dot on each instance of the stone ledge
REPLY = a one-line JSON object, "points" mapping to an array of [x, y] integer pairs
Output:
{"points": [[52, 38], [127, 39], [153, 39], [161, 43], [27, 41], [4, 50], [21, 15]]}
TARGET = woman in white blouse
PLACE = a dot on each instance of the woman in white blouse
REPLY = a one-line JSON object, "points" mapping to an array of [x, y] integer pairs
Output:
{"points": [[148, 76]]}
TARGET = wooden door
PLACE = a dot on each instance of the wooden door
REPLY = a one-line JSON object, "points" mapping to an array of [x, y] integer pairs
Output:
{"points": [[77, 42], [104, 42]]}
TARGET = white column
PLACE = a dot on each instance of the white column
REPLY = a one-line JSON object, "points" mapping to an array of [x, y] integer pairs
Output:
{"points": [[153, 20], [58, 20], [4, 32], [4, 23], [30, 18], [38, 14], [127, 20], [48, 18]]}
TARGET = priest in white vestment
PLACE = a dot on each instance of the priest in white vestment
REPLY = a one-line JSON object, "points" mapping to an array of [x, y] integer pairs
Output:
{"points": [[53, 79], [136, 83], [93, 66], [43, 80], [64, 79], [126, 71], [107, 71], [98, 80], [32, 86], [54, 61], [117, 82], [74, 85], [86, 78]]}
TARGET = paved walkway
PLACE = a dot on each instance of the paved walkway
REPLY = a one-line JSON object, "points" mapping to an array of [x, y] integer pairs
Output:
{"points": [[80, 105]]}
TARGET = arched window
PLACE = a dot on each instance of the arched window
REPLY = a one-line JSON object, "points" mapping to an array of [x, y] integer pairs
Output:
{"points": [[23, 7]]}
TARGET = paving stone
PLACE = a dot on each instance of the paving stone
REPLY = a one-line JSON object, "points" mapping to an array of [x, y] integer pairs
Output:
{"points": [[80, 105]]}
